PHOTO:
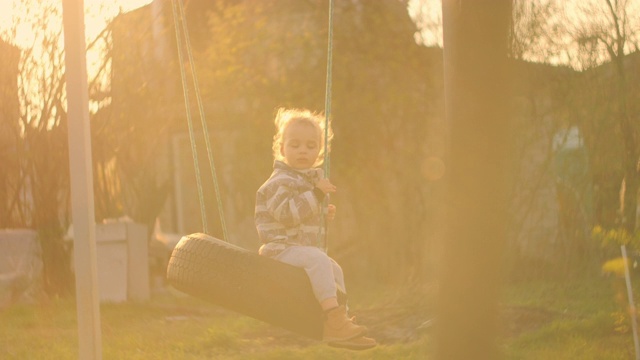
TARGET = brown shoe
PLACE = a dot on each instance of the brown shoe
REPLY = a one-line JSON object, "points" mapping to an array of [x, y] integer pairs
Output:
{"points": [[359, 343], [338, 327]]}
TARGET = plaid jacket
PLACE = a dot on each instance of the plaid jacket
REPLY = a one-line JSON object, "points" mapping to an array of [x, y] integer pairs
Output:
{"points": [[288, 210]]}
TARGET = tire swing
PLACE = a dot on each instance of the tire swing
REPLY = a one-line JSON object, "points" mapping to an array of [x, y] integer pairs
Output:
{"points": [[245, 282], [230, 276]]}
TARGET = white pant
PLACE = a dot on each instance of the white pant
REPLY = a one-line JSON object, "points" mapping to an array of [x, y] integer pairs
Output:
{"points": [[324, 273]]}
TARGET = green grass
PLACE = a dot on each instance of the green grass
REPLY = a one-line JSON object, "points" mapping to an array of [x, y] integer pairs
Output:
{"points": [[546, 320], [168, 328], [581, 322], [590, 338]]}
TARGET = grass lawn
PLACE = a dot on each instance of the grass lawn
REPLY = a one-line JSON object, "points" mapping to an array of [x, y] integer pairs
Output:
{"points": [[542, 320], [581, 319]]}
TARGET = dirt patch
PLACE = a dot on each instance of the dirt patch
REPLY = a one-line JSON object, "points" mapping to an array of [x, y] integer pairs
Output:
{"points": [[388, 325], [396, 322]]}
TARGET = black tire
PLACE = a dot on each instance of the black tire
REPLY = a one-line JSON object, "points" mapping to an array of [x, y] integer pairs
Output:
{"points": [[245, 282]]}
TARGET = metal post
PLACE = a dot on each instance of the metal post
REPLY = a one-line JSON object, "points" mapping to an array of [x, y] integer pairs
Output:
{"points": [[476, 103], [82, 203], [632, 302]]}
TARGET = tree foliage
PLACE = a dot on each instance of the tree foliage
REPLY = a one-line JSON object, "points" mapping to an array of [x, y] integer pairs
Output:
{"points": [[387, 110], [606, 32], [36, 175], [40, 148]]}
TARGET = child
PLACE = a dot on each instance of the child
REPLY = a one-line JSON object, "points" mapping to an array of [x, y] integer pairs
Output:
{"points": [[288, 219]]}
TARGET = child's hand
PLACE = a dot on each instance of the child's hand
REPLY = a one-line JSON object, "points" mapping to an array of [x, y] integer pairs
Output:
{"points": [[331, 212], [326, 186]]}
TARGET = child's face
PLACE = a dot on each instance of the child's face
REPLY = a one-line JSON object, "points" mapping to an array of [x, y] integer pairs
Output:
{"points": [[301, 145]]}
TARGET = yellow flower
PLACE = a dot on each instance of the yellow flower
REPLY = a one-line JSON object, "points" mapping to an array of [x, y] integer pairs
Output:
{"points": [[614, 266]]}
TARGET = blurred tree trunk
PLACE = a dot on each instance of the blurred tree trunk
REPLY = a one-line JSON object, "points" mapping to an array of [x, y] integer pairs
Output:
{"points": [[475, 56]]}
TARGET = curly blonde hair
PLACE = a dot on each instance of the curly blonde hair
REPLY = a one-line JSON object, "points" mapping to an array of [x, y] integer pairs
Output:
{"points": [[286, 117]]}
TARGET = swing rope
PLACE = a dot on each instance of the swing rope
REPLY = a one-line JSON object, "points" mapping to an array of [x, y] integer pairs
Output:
{"points": [[179, 17], [327, 97], [327, 114]]}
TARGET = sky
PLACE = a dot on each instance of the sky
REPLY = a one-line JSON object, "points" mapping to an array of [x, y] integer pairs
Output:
{"points": [[97, 13], [426, 13]]}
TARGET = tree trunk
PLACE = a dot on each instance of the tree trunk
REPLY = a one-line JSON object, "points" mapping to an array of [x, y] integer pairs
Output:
{"points": [[475, 57], [58, 279]]}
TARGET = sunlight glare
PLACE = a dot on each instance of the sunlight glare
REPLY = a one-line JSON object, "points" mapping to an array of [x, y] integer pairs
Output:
{"points": [[18, 18], [97, 14]]}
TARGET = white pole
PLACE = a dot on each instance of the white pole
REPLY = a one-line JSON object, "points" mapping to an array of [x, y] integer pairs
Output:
{"points": [[632, 304], [82, 206]]}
